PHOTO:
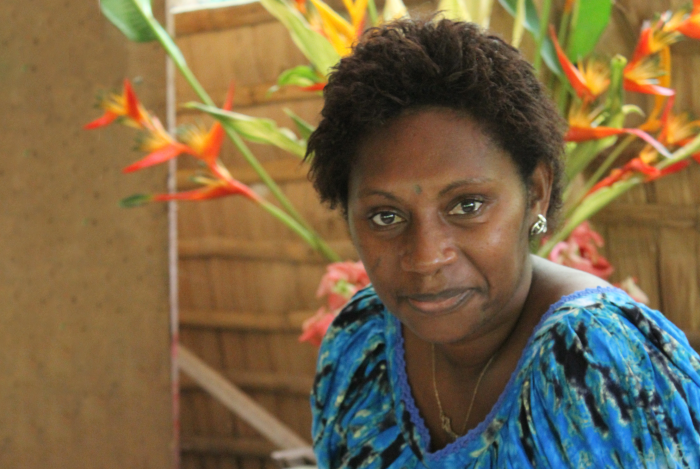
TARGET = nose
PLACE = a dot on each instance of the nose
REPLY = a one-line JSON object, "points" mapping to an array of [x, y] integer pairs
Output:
{"points": [[428, 247]]}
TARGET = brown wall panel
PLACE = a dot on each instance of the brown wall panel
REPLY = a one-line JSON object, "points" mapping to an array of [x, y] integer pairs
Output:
{"points": [[83, 284]]}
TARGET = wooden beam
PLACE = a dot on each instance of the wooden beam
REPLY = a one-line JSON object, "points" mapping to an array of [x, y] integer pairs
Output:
{"points": [[245, 322], [276, 251], [216, 19], [263, 381], [283, 170], [223, 445], [651, 215], [248, 96], [238, 402]]}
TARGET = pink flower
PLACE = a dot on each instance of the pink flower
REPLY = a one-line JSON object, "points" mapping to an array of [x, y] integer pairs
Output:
{"points": [[316, 326], [340, 282], [630, 286], [580, 251]]}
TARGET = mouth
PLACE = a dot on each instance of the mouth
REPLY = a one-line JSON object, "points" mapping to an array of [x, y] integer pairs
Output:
{"points": [[440, 303]]}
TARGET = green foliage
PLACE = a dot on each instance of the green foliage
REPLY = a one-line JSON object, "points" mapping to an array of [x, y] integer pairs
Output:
{"points": [[303, 75], [255, 129], [135, 200], [588, 23], [312, 44], [132, 17], [305, 129], [532, 24]]}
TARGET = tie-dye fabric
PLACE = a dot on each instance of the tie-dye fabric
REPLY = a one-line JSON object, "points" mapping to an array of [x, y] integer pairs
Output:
{"points": [[603, 382]]}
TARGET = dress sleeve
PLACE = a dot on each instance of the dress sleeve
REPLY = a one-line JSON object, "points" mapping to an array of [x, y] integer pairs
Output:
{"points": [[612, 386], [353, 421]]}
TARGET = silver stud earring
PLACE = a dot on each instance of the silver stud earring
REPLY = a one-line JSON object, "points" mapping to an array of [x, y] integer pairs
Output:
{"points": [[540, 226]]}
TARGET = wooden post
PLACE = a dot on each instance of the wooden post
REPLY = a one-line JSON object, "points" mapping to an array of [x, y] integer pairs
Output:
{"points": [[238, 402]]}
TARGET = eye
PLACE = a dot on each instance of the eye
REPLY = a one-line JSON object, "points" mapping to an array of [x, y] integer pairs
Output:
{"points": [[383, 219], [466, 207]]}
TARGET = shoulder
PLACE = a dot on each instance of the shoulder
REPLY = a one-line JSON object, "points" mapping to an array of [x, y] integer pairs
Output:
{"points": [[351, 399], [356, 335], [612, 373]]}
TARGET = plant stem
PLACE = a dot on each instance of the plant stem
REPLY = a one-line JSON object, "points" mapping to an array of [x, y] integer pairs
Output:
{"points": [[292, 219], [601, 198], [688, 150], [372, 10], [600, 171], [310, 237], [539, 40]]}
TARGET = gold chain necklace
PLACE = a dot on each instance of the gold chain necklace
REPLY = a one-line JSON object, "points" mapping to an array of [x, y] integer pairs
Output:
{"points": [[445, 421]]}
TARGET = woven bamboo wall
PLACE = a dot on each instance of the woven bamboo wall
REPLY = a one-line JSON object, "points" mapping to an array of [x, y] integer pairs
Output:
{"points": [[247, 283], [652, 232]]}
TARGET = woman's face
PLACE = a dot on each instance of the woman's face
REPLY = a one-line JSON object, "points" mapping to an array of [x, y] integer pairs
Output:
{"points": [[440, 217]]}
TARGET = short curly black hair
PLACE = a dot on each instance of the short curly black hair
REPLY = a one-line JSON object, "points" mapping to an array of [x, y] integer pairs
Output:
{"points": [[407, 65]]}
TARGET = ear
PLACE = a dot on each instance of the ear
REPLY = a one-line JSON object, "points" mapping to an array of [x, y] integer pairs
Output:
{"points": [[540, 189]]}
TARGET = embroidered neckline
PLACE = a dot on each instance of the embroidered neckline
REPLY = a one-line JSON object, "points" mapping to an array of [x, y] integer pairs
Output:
{"points": [[398, 357]]}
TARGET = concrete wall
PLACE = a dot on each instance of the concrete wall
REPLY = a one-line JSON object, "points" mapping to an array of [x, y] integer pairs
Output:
{"points": [[84, 347]]}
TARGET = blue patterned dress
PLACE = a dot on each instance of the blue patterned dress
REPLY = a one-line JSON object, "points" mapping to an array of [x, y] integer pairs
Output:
{"points": [[603, 382]]}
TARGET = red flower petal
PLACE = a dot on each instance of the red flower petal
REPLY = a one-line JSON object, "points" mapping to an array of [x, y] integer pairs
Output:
{"points": [[161, 155], [578, 83], [106, 119], [132, 103], [657, 90], [314, 87], [582, 134]]}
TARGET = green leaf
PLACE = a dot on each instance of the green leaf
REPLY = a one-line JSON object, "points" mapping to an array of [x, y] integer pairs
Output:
{"points": [[132, 17], [135, 200], [313, 45], [303, 75], [305, 129], [532, 24], [588, 24], [255, 129]]}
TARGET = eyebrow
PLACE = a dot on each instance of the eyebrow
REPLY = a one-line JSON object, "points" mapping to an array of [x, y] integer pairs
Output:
{"points": [[450, 187], [464, 182], [370, 192]]}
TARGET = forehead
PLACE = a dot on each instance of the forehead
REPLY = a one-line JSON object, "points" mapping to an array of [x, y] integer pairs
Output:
{"points": [[435, 146]]}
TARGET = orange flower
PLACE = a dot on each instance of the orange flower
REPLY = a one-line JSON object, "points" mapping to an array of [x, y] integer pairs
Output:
{"points": [[588, 81], [582, 134], [642, 76], [160, 145], [212, 190], [197, 142], [125, 106], [339, 32], [657, 36], [690, 26], [679, 129], [207, 145], [638, 166]]}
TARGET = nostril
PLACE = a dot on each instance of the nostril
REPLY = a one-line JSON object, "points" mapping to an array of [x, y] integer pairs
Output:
{"points": [[428, 262]]}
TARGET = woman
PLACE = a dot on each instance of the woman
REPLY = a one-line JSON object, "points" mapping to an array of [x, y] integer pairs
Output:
{"points": [[440, 148]]}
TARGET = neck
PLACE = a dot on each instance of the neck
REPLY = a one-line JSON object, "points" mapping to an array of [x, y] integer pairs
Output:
{"points": [[470, 354]]}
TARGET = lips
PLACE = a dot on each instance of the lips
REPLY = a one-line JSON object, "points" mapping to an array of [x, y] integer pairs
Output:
{"points": [[439, 303]]}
